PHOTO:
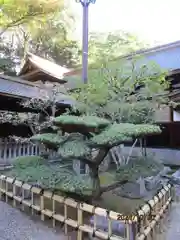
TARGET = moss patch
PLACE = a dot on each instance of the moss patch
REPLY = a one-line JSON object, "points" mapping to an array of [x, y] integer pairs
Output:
{"points": [[138, 167], [27, 161]]}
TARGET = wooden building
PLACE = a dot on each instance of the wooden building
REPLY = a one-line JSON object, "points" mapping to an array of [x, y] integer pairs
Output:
{"points": [[39, 70], [13, 90]]}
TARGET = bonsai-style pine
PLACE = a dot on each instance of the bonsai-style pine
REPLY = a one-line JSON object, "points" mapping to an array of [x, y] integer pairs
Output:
{"points": [[84, 134]]}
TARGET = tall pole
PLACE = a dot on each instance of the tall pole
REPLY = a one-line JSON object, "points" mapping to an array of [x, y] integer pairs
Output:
{"points": [[85, 32], [85, 43]]}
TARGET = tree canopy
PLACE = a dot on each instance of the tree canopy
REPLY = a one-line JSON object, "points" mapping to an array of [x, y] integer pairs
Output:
{"points": [[23, 25], [17, 12], [123, 91], [104, 47]]}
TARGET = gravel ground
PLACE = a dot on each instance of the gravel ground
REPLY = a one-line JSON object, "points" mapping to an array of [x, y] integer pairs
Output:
{"points": [[15, 225], [173, 226], [171, 229]]}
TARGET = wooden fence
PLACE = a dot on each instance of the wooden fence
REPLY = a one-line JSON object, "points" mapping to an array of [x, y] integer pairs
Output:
{"points": [[9, 150], [145, 223]]}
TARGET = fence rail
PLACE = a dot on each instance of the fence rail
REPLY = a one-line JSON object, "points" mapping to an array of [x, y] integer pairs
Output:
{"points": [[146, 221]]}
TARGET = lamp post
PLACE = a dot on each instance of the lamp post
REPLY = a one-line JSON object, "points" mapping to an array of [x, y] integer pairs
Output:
{"points": [[85, 5]]}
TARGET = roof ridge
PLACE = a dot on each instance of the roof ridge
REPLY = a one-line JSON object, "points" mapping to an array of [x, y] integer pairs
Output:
{"points": [[152, 49]]}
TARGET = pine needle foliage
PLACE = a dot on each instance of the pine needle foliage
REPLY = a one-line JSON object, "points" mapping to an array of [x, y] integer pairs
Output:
{"points": [[77, 147], [88, 121]]}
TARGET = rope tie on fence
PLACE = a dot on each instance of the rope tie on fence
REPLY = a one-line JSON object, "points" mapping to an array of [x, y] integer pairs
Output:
{"points": [[65, 213], [14, 179], [107, 211], [41, 192], [157, 195]]}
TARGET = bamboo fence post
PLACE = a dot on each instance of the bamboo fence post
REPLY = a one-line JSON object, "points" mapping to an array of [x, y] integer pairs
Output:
{"points": [[141, 221], [54, 211], [164, 202], [152, 216], [44, 211], [7, 191], [109, 227], [3, 189], [65, 217], [80, 222], [170, 194], [160, 195], [1, 186], [42, 207], [32, 202], [166, 188], [34, 206], [58, 217], [128, 230], [23, 197], [16, 199], [26, 202], [14, 194], [157, 213]]}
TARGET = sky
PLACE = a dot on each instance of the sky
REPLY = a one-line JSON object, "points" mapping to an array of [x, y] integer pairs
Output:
{"points": [[154, 21]]}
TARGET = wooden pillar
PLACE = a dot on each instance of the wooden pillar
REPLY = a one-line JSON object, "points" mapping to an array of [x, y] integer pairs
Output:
{"points": [[170, 128]]}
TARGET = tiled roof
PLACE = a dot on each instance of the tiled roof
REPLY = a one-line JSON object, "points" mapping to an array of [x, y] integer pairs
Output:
{"points": [[11, 87], [45, 66], [23, 89]]}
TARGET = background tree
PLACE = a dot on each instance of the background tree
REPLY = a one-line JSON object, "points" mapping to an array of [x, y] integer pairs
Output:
{"points": [[17, 12], [124, 92], [104, 47], [51, 40], [41, 27]]}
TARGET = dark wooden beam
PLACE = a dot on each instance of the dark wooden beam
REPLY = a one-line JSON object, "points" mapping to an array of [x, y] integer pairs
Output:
{"points": [[29, 75]]}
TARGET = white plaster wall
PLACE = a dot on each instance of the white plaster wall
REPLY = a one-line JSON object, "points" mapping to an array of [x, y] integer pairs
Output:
{"points": [[162, 115], [176, 116], [165, 155]]}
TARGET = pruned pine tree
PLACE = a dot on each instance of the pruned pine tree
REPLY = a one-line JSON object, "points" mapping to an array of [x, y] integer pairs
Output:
{"points": [[83, 134]]}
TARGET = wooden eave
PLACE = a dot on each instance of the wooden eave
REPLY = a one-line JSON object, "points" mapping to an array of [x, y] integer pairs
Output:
{"points": [[38, 75], [36, 68]]}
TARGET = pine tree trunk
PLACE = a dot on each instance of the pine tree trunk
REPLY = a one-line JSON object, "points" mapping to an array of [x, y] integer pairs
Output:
{"points": [[94, 174]]}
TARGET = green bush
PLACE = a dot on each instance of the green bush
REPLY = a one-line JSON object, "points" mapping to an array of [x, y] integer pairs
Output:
{"points": [[28, 161], [141, 166]]}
